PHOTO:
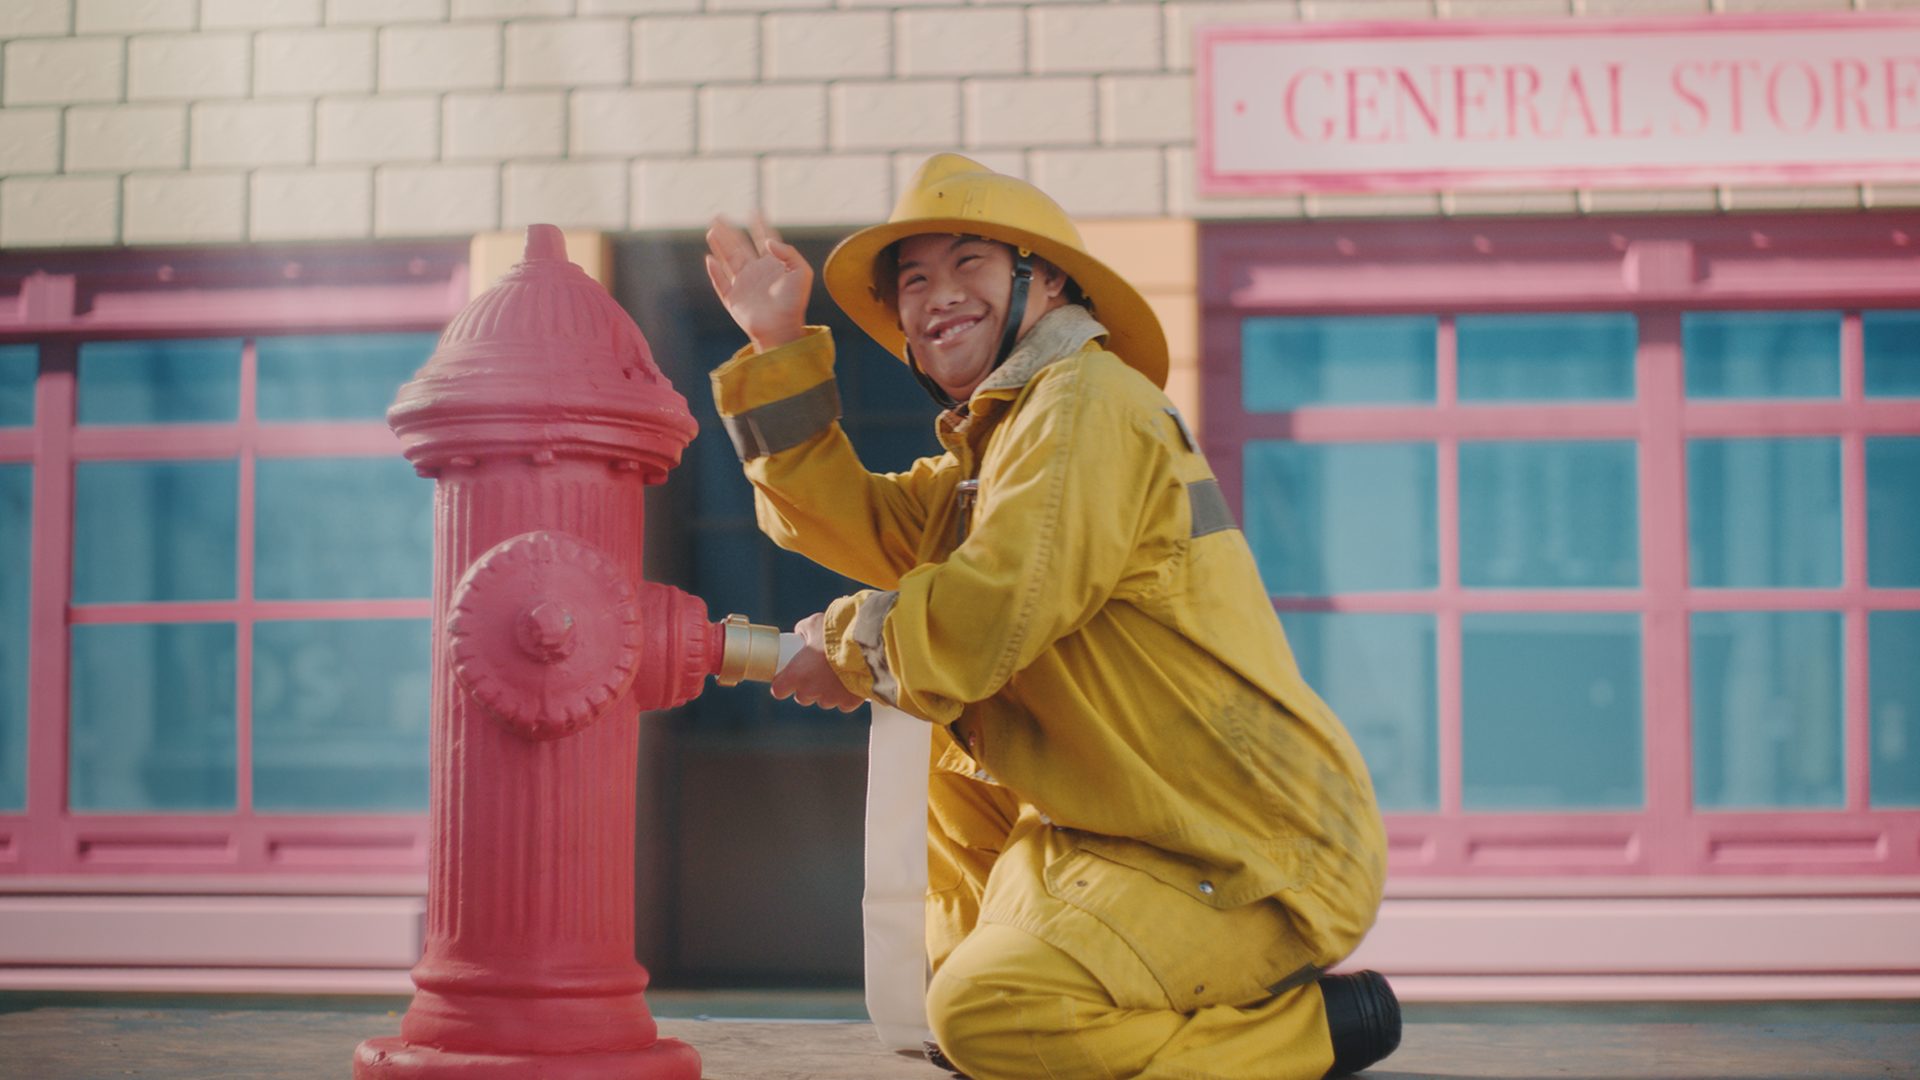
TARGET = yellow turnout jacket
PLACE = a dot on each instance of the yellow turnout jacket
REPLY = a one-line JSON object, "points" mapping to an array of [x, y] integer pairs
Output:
{"points": [[1093, 636]]}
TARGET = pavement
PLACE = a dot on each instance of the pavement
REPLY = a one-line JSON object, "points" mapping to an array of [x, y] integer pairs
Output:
{"points": [[822, 1035]]}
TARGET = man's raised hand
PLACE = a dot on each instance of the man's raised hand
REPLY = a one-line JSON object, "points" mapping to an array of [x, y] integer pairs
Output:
{"points": [[763, 281]]}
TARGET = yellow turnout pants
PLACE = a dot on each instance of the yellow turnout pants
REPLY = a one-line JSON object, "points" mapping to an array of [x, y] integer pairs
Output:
{"points": [[1035, 988]]}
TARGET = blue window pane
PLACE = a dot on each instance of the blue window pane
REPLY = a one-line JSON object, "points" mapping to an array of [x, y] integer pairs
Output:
{"points": [[1763, 513], [336, 376], [1378, 674], [160, 382], [153, 723], [1554, 357], [1892, 341], [1893, 658], [1550, 712], [16, 575], [1549, 514], [1761, 354], [159, 530], [340, 714], [1767, 691], [1342, 517], [342, 529], [19, 367], [1893, 513], [1336, 360]]}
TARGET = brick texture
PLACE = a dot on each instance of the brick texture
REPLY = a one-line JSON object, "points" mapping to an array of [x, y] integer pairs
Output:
{"points": [[840, 189], [310, 203], [133, 16], [62, 71], [462, 56], [526, 124], [310, 62], [372, 130], [29, 141], [341, 12], [123, 138], [242, 134], [570, 194], [1088, 38], [436, 200], [895, 115], [179, 67], [255, 14], [689, 192], [632, 122], [1054, 111], [761, 118], [961, 41], [567, 52], [1103, 183], [26, 18], [838, 45], [184, 208], [1146, 109], [692, 49], [59, 211]]}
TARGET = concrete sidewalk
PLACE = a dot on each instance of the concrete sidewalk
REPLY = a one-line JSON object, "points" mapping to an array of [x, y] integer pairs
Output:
{"points": [[178, 1037]]}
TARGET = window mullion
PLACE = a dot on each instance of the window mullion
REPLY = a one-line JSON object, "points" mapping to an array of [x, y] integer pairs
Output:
{"points": [[44, 849]]}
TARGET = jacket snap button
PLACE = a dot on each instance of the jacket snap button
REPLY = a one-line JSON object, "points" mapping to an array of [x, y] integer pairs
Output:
{"points": [[1207, 887], [1200, 989]]}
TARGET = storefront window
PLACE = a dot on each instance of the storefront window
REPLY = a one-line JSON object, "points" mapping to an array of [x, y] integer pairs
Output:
{"points": [[16, 577], [1538, 514], [1628, 588], [1763, 513], [160, 382], [153, 723], [1292, 362], [1348, 517], [19, 367], [1558, 356], [1381, 669], [1550, 708], [154, 531], [1761, 354], [1767, 729], [1893, 513]]}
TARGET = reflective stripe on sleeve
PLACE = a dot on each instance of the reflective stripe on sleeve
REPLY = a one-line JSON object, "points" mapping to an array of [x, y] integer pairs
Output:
{"points": [[1211, 514], [784, 424]]}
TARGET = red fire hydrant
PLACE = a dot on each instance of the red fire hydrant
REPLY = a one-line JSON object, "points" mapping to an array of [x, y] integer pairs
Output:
{"points": [[542, 417]]}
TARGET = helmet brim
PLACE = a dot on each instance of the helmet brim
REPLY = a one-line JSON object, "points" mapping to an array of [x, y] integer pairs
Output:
{"points": [[1133, 330]]}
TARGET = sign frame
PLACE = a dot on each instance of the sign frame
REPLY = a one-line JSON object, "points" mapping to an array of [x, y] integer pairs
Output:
{"points": [[1761, 162]]}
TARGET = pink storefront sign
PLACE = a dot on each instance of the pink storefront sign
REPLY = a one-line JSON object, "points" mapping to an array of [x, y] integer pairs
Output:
{"points": [[1788, 99]]}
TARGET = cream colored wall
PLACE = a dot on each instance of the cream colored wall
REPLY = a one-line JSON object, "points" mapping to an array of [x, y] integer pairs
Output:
{"points": [[150, 122]]}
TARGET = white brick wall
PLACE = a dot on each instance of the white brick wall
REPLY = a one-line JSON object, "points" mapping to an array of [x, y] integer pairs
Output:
{"points": [[125, 138], [217, 121], [185, 208], [310, 62], [187, 67]]}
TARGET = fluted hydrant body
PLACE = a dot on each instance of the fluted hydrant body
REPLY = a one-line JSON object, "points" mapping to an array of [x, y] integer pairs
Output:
{"points": [[543, 418]]}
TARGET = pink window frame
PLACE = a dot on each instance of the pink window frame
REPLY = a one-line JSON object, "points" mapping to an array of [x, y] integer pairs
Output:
{"points": [[196, 294], [1656, 268]]}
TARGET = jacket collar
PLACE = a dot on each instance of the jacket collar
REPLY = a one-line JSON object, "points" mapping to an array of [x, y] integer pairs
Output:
{"points": [[1059, 334]]}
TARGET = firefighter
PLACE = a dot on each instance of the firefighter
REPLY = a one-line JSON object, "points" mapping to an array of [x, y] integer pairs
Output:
{"points": [[1147, 837]]}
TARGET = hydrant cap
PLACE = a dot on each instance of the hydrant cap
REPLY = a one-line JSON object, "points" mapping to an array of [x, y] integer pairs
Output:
{"points": [[543, 360]]}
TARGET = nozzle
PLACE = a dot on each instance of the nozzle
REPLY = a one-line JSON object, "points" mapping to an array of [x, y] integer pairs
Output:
{"points": [[749, 652]]}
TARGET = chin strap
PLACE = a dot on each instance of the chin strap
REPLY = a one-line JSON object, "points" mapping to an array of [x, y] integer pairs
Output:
{"points": [[1009, 337]]}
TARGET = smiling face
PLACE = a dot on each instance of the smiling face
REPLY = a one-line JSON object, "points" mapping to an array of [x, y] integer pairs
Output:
{"points": [[952, 294]]}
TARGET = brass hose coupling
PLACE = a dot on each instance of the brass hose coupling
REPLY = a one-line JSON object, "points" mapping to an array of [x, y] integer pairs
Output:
{"points": [[749, 652]]}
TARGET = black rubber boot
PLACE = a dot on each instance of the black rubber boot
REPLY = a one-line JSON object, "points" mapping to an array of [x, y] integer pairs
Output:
{"points": [[941, 1061], [1363, 1017]]}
